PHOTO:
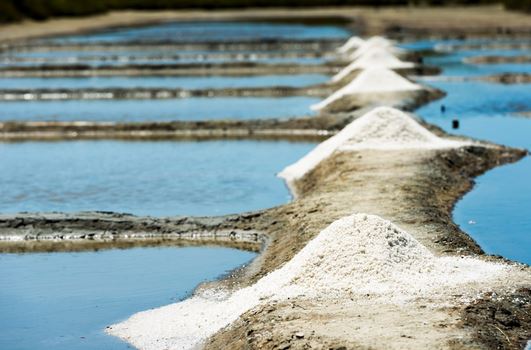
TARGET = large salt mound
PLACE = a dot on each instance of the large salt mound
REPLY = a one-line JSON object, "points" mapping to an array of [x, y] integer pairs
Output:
{"points": [[381, 128], [359, 256], [352, 43], [373, 58], [373, 80]]}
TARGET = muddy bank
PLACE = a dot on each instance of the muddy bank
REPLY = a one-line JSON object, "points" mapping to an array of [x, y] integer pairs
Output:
{"points": [[158, 93], [265, 45], [303, 128], [498, 59], [509, 78], [177, 69], [189, 69], [503, 78], [170, 56], [524, 44], [501, 321], [34, 232]]}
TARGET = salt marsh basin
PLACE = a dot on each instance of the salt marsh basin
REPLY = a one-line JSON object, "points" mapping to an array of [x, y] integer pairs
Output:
{"points": [[146, 178], [65, 300]]}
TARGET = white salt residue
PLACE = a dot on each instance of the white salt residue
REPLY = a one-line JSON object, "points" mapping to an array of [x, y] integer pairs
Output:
{"points": [[374, 58], [387, 128], [381, 128], [352, 43], [359, 256], [373, 80]]}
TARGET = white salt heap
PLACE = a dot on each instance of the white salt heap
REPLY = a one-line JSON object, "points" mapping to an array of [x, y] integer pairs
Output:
{"points": [[361, 257], [375, 42], [374, 58], [382, 128], [373, 80], [351, 44]]}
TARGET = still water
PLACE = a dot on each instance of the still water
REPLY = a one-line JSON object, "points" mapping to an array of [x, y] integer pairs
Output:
{"points": [[212, 31], [496, 213], [145, 178], [64, 301], [238, 108], [192, 82]]}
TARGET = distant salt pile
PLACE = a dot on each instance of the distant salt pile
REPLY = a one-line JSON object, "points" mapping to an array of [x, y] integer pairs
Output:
{"points": [[381, 128], [359, 256], [351, 44], [388, 128], [373, 80], [373, 58], [375, 42]]}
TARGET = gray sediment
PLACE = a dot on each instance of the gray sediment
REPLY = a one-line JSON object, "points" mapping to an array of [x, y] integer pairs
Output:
{"points": [[249, 45], [24, 232], [158, 93]]}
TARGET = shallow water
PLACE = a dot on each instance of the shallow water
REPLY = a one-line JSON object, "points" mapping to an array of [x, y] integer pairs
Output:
{"points": [[65, 300], [192, 82], [145, 178], [453, 64], [211, 31], [239, 108], [496, 213], [477, 98]]}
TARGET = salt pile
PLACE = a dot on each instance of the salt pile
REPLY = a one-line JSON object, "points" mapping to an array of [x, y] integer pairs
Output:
{"points": [[373, 80], [373, 58], [359, 256], [352, 43], [381, 128], [375, 42]]}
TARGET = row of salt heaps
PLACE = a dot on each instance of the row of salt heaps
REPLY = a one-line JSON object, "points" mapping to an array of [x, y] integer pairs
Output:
{"points": [[359, 256], [373, 60]]}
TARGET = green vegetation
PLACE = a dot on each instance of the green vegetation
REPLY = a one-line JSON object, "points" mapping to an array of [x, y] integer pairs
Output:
{"points": [[14, 10]]}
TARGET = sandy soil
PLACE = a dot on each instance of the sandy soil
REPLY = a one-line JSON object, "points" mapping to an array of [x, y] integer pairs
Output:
{"points": [[442, 21]]}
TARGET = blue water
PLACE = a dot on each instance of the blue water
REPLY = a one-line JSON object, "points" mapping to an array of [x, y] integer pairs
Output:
{"points": [[497, 212], [478, 98], [186, 82], [239, 108], [211, 31], [64, 301], [145, 178], [453, 63]]}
